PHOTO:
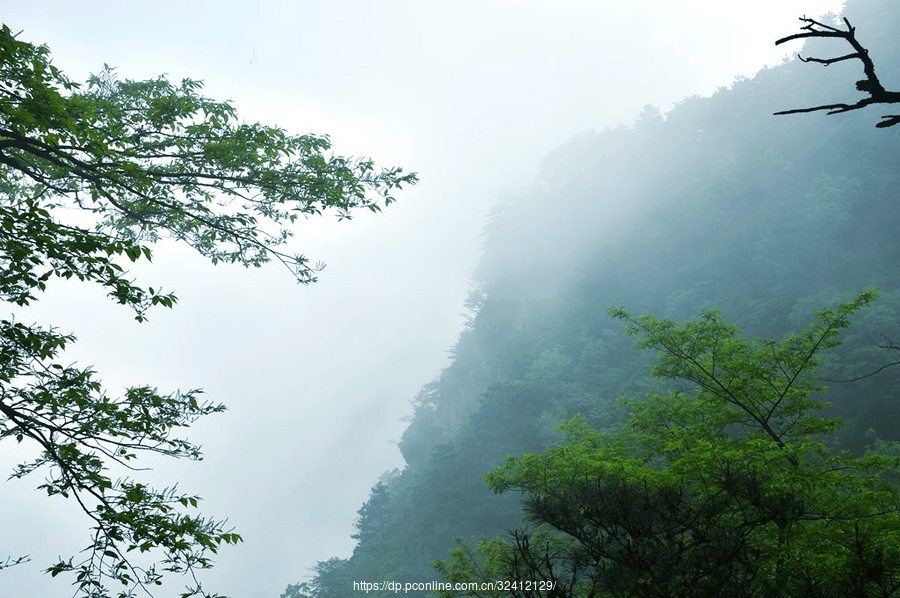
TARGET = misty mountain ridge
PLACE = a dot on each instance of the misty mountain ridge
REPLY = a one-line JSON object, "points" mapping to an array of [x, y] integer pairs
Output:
{"points": [[716, 204]]}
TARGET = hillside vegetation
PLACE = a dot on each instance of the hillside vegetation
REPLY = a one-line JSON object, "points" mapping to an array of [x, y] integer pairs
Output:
{"points": [[717, 204]]}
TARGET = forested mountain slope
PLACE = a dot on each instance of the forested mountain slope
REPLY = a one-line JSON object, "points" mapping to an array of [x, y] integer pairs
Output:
{"points": [[717, 204]]}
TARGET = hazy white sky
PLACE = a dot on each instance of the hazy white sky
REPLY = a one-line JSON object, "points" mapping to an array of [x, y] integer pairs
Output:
{"points": [[471, 94]]}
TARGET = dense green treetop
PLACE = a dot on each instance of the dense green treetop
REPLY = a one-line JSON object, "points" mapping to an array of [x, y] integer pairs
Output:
{"points": [[90, 176], [722, 487]]}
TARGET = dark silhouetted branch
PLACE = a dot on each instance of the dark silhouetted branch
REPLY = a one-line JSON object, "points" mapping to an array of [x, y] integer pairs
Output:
{"points": [[12, 562], [870, 85], [888, 344]]}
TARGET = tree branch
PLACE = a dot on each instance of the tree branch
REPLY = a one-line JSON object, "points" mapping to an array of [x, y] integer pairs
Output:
{"points": [[888, 344], [870, 85]]}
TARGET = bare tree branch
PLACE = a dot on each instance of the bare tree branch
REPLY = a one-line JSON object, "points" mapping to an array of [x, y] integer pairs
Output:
{"points": [[888, 344], [870, 85], [12, 562]]}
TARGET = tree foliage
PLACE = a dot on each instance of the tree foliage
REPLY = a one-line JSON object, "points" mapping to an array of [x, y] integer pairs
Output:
{"points": [[90, 176], [373, 515], [725, 486]]}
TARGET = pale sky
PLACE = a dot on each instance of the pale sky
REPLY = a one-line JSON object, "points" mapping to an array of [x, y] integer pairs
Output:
{"points": [[471, 94]]}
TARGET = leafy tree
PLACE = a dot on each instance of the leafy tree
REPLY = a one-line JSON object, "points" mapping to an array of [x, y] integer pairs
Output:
{"points": [[374, 514], [297, 590], [331, 580], [136, 160], [724, 486]]}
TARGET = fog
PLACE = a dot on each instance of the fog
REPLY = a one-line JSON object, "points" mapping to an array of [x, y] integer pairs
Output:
{"points": [[317, 379]]}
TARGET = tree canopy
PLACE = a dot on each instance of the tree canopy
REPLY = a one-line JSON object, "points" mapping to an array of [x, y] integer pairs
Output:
{"points": [[724, 486], [91, 175]]}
